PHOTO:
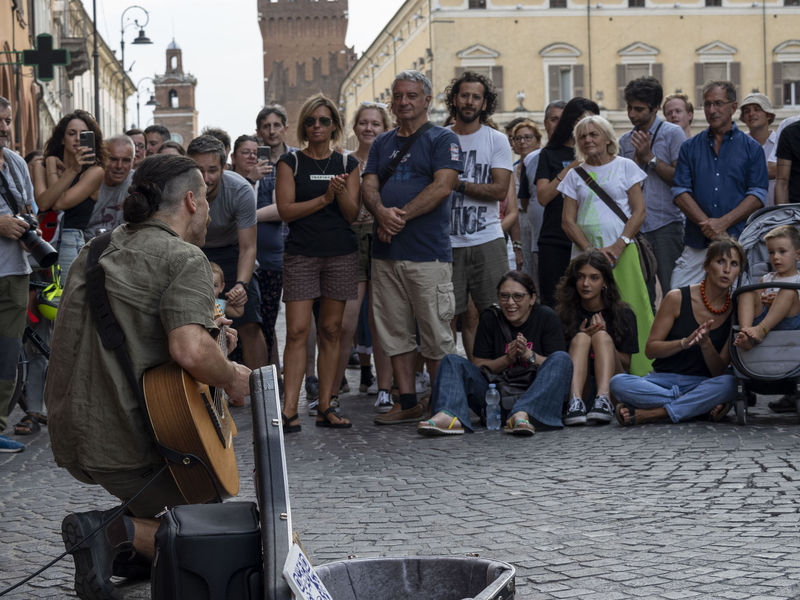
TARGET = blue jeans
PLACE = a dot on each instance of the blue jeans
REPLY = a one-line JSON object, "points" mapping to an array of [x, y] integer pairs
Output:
{"points": [[785, 324], [682, 396], [459, 386], [71, 243]]}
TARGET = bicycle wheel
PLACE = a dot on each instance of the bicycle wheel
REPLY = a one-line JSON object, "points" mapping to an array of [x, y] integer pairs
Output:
{"points": [[18, 397]]}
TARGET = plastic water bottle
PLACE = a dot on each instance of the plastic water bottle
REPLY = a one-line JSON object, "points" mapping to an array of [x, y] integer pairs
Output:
{"points": [[492, 407]]}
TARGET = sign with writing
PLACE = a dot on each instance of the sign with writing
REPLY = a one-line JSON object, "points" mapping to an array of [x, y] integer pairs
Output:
{"points": [[300, 575]]}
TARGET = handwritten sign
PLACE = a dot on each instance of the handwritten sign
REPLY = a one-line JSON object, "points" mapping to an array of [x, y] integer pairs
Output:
{"points": [[305, 584]]}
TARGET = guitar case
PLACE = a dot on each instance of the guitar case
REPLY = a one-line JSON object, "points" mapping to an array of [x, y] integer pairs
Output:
{"points": [[214, 551]]}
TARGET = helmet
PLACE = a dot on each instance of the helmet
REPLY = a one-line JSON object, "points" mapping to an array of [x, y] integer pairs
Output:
{"points": [[47, 299]]}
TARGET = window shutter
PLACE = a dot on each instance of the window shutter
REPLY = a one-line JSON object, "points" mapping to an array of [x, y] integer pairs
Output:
{"points": [[577, 82], [497, 81], [460, 71], [554, 81], [622, 75], [657, 71], [735, 72], [777, 85], [699, 82]]}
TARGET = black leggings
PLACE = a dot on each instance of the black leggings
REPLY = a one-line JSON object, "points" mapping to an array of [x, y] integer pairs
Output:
{"points": [[553, 262]]}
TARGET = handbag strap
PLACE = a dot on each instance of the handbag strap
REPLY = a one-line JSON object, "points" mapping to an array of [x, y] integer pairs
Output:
{"points": [[601, 193], [395, 162], [504, 328]]}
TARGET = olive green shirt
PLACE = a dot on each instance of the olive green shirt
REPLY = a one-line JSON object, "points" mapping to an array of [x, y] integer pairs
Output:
{"points": [[156, 282]]}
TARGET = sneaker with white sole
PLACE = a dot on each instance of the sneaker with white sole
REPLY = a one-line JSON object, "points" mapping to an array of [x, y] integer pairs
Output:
{"points": [[602, 410], [9, 445], [384, 403], [372, 390], [364, 387], [312, 408], [345, 387], [576, 412], [420, 385]]}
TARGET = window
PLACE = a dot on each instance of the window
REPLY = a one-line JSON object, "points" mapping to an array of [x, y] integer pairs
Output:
{"points": [[494, 73], [791, 84], [558, 3], [173, 99], [713, 2], [477, 3], [564, 82], [791, 2], [173, 62], [718, 71], [635, 3]]}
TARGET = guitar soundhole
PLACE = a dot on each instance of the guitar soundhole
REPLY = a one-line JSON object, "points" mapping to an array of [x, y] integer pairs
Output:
{"points": [[215, 419]]}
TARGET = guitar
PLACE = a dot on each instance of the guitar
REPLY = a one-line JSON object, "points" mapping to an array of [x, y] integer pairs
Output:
{"points": [[193, 418]]}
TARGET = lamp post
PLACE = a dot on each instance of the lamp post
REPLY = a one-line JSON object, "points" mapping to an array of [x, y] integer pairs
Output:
{"points": [[395, 39], [140, 40], [151, 102]]}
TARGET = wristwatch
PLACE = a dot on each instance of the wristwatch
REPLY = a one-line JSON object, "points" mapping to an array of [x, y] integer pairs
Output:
{"points": [[462, 187], [653, 162], [625, 239], [244, 284]]}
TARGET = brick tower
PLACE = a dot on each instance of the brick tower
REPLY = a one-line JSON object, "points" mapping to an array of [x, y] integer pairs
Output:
{"points": [[175, 96], [304, 51]]}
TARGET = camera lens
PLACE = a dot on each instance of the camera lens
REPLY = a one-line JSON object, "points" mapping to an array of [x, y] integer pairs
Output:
{"points": [[42, 252]]}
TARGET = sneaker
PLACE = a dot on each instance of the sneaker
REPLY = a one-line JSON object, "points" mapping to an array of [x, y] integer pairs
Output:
{"points": [[396, 415], [427, 379], [354, 362], [384, 403], [94, 559], [372, 390], [335, 404], [602, 410], [8, 445], [312, 408], [366, 386], [785, 404], [345, 387], [420, 383], [312, 388], [576, 412]]}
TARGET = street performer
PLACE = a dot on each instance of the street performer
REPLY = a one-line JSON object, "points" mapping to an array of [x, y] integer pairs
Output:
{"points": [[161, 291]]}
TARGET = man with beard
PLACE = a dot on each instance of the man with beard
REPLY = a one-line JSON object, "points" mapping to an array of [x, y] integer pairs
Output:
{"points": [[479, 248], [107, 212], [654, 145], [155, 135], [139, 143]]}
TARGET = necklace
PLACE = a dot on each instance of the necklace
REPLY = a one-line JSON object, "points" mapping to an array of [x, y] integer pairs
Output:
{"points": [[327, 164], [708, 306]]}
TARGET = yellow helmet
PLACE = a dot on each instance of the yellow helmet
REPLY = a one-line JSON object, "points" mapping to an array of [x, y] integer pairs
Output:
{"points": [[47, 299]]}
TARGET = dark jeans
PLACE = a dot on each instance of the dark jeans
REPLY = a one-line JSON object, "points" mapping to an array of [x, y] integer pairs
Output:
{"points": [[667, 243], [459, 386], [553, 262]]}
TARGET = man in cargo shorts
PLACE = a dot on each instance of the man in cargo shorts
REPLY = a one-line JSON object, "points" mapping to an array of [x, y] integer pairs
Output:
{"points": [[411, 254]]}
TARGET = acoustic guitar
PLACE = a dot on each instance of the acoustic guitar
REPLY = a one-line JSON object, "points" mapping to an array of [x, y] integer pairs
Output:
{"points": [[193, 418]]}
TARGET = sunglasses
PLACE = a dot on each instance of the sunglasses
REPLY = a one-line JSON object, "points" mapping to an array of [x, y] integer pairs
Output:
{"points": [[311, 121], [378, 104]]}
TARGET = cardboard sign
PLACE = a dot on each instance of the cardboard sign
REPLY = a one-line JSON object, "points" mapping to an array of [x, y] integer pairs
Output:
{"points": [[305, 584]]}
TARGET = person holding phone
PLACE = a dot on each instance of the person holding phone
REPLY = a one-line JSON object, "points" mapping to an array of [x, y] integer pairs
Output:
{"points": [[246, 160], [71, 177]]}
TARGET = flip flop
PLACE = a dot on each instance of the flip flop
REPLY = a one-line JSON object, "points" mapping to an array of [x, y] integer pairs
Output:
{"points": [[326, 423], [30, 423], [430, 429], [726, 407], [520, 427], [631, 411]]}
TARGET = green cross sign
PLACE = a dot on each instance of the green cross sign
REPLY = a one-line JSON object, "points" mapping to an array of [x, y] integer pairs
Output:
{"points": [[44, 58]]}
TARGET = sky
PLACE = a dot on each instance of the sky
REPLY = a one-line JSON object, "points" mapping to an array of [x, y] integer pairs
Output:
{"points": [[221, 45]]}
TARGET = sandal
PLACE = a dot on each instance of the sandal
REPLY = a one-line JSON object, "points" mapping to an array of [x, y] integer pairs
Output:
{"points": [[620, 419], [726, 407], [430, 429], [290, 428], [28, 425], [326, 423], [520, 427]]}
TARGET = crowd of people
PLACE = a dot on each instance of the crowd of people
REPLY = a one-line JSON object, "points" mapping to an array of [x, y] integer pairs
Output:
{"points": [[590, 280]]}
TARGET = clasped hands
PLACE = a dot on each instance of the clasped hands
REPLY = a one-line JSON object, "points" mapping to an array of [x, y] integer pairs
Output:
{"points": [[390, 222], [518, 348], [336, 187], [596, 324]]}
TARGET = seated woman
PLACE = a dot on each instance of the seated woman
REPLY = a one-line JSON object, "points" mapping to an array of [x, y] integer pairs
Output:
{"points": [[537, 339], [689, 342], [601, 332]]}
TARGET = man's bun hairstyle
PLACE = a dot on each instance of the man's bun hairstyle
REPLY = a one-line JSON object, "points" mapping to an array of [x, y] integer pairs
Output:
{"points": [[159, 183]]}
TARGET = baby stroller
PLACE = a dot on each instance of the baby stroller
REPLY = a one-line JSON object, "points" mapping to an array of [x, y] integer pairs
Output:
{"points": [[773, 366]]}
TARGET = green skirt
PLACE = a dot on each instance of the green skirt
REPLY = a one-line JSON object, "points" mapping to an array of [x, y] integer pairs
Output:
{"points": [[632, 288]]}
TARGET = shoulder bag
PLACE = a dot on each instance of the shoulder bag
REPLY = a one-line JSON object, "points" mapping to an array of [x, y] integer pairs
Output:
{"points": [[647, 259], [392, 166]]}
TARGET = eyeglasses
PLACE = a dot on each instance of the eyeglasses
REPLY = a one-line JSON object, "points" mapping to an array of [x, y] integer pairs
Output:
{"points": [[378, 104], [521, 138], [311, 121], [717, 104], [140, 146], [248, 153], [516, 296]]}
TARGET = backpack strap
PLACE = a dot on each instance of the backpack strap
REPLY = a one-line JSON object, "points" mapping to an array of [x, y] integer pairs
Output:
{"points": [[296, 162]]}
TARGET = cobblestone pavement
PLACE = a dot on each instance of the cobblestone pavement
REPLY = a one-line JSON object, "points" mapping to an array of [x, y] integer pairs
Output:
{"points": [[695, 510]]}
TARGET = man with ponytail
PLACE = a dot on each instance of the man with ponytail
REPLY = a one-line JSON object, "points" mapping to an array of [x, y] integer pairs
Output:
{"points": [[160, 289]]}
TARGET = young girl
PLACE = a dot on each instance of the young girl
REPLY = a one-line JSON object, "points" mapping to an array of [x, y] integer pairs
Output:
{"points": [[776, 308], [600, 330], [229, 310]]}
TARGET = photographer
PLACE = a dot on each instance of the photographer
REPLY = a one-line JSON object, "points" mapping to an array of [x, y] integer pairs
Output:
{"points": [[16, 196]]}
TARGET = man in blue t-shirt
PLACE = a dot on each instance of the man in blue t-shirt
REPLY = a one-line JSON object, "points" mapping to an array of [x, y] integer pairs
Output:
{"points": [[412, 267]]}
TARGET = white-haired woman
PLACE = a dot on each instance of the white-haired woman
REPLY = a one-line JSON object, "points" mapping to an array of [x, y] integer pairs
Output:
{"points": [[590, 223]]}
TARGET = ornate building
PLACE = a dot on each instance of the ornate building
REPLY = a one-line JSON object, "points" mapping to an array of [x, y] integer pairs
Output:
{"points": [[304, 50], [175, 96]]}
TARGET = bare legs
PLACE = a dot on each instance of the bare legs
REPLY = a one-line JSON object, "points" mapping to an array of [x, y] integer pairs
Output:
{"points": [[606, 362]]}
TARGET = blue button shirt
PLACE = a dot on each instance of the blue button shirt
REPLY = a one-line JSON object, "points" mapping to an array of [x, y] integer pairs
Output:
{"points": [[719, 183]]}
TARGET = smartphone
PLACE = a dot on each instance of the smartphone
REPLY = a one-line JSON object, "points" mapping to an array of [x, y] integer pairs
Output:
{"points": [[87, 140], [264, 152]]}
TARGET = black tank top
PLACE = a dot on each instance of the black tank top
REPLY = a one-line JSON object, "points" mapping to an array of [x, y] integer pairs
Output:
{"points": [[691, 361], [78, 216]]}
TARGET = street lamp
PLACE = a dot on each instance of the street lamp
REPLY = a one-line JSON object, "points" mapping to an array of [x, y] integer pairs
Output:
{"points": [[395, 39], [151, 102], [140, 40]]}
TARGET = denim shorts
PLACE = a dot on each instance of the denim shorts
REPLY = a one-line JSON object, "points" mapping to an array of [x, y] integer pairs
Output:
{"points": [[787, 324]]}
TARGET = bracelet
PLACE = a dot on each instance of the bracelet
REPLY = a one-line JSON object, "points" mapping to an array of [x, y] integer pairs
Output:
{"points": [[683, 343], [587, 248], [244, 284], [517, 245], [559, 178], [250, 181], [766, 331]]}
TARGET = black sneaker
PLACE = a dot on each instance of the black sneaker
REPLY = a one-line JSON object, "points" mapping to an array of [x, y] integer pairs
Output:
{"points": [[354, 362], [602, 410], [94, 559], [576, 413], [312, 388]]}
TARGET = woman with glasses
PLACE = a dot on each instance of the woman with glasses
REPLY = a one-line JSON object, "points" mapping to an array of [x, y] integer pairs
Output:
{"points": [[525, 138], [591, 224], [536, 339], [370, 120], [317, 192], [600, 330], [244, 159]]}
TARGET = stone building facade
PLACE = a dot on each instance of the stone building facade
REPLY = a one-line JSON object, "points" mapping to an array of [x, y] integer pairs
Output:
{"points": [[174, 92], [304, 51]]}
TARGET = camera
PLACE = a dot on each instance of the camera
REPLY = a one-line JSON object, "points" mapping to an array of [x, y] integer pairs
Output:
{"points": [[42, 252]]}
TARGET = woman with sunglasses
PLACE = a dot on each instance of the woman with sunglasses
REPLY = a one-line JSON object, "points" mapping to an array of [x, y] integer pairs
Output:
{"points": [[537, 339], [317, 192]]}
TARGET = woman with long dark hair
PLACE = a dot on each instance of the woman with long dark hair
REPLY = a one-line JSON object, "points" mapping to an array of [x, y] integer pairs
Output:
{"points": [[600, 330], [71, 177], [555, 161]]}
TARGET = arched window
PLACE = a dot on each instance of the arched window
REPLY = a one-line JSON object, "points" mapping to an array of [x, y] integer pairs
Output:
{"points": [[173, 99], [173, 62]]}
